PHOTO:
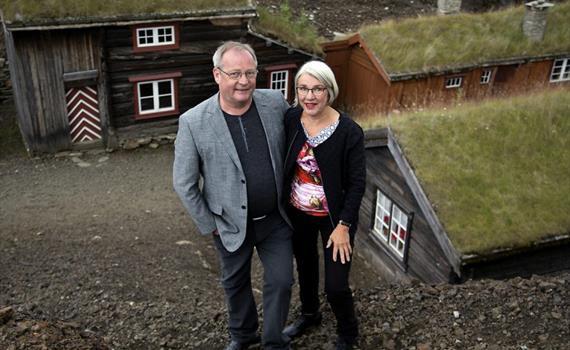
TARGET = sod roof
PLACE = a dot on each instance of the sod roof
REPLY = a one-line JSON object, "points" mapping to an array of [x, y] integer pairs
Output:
{"points": [[425, 44], [33, 12], [496, 173]]}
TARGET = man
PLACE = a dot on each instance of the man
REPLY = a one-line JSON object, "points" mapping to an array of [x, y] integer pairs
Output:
{"points": [[234, 141]]}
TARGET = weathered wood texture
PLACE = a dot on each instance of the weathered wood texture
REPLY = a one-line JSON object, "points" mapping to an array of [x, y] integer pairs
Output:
{"points": [[425, 260], [547, 259], [38, 63], [199, 40]]}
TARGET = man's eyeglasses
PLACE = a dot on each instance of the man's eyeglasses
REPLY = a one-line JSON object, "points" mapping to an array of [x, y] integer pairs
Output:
{"points": [[236, 75], [317, 90]]}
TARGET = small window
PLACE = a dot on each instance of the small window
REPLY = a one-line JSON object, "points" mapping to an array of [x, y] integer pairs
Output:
{"points": [[560, 70], [391, 224], [455, 82], [155, 37], [279, 77], [486, 76], [156, 96], [279, 80]]}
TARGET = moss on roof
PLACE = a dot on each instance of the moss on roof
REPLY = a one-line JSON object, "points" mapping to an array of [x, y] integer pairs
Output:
{"points": [[37, 10], [497, 173], [437, 42]]}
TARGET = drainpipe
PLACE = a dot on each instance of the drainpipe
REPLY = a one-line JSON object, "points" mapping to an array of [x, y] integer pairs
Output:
{"points": [[534, 22]]}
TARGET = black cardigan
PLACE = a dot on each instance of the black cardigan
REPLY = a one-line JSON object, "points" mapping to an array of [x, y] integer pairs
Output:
{"points": [[341, 162]]}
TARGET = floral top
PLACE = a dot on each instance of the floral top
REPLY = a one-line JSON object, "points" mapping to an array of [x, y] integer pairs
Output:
{"points": [[307, 192]]}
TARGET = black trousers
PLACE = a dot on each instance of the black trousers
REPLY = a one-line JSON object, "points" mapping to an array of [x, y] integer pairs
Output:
{"points": [[337, 289], [271, 237]]}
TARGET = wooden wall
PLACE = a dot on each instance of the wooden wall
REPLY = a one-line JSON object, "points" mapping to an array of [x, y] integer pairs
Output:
{"points": [[425, 260], [38, 60], [544, 260], [362, 88], [198, 41]]}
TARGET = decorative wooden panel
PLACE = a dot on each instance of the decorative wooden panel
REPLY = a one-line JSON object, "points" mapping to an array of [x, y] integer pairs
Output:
{"points": [[83, 114]]}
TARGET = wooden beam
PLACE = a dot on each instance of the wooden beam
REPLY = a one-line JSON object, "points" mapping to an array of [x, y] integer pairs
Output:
{"points": [[84, 75]]}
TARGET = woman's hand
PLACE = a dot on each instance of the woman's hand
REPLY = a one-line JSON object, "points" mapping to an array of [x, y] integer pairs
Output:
{"points": [[340, 240]]}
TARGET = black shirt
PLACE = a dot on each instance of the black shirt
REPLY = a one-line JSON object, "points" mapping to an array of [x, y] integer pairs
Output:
{"points": [[253, 151]]}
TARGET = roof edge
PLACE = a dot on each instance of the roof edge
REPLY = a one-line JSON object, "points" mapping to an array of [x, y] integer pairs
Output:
{"points": [[104, 21], [453, 256], [556, 240], [353, 40]]}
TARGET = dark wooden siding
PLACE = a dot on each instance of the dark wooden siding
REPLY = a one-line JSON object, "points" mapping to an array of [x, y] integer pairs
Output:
{"points": [[40, 59], [425, 259], [198, 41], [547, 259]]}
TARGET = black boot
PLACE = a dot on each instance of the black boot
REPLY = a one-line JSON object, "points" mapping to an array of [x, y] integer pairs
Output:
{"points": [[343, 344], [302, 324]]}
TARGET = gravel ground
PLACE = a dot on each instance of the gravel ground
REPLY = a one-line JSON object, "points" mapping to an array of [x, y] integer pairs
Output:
{"points": [[96, 252]]}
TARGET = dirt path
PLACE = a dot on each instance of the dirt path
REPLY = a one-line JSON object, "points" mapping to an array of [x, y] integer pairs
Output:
{"points": [[102, 240]]}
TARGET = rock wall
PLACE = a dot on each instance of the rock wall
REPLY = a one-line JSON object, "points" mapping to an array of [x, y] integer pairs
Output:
{"points": [[5, 83]]}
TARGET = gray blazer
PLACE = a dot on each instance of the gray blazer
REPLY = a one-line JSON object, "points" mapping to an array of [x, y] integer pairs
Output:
{"points": [[204, 149]]}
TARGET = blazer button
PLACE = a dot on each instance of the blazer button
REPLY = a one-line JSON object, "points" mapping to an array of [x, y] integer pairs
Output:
{"points": [[242, 181], [243, 206]]}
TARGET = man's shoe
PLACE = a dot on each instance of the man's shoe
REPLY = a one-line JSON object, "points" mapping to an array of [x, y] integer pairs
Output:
{"points": [[302, 324], [235, 345], [342, 344]]}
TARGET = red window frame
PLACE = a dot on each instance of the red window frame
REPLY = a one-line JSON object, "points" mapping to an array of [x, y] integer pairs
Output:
{"points": [[291, 67], [176, 33], [174, 76]]}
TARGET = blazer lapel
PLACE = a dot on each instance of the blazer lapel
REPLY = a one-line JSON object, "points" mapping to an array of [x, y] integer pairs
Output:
{"points": [[221, 131]]}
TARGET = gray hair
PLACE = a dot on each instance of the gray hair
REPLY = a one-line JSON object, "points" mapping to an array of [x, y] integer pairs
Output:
{"points": [[229, 45], [323, 73]]}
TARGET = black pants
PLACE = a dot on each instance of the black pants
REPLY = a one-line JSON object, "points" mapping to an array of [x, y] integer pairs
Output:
{"points": [[339, 295], [271, 238]]}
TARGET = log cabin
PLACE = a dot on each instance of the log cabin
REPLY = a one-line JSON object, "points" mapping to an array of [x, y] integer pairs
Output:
{"points": [[441, 60], [470, 193], [98, 81]]}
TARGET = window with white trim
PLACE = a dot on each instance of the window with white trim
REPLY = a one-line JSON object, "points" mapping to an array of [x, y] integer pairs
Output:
{"points": [[453, 82], [486, 76], [279, 80], [156, 36], [560, 70], [156, 96], [391, 224]]}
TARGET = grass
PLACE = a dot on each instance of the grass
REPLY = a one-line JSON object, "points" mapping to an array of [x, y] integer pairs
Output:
{"points": [[436, 42], [52, 9], [297, 31], [497, 173]]}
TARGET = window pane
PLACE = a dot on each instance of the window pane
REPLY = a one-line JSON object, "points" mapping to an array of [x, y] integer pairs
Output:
{"points": [[165, 102], [147, 104], [145, 89], [164, 87]]}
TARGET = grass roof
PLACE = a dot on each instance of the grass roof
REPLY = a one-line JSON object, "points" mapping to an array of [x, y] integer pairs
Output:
{"points": [[437, 42], [33, 10], [497, 173]]}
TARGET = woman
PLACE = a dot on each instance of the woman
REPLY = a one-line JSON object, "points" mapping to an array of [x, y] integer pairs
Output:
{"points": [[325, 176]]}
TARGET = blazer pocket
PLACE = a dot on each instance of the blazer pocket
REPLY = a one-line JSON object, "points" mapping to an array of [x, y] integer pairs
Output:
{"points": [[222, 221]]}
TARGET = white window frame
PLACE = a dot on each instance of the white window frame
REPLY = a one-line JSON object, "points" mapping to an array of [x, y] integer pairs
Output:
{"points": [[279, 80], [453, 82], [560, 70], [156, 36], [156, 96], [389, 230], [486, 76]]}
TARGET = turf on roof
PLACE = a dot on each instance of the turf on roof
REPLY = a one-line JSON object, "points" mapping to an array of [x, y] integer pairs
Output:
{"points": [[497, 173], [436, 42], [32, 10]]}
